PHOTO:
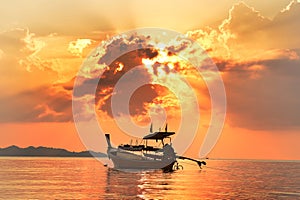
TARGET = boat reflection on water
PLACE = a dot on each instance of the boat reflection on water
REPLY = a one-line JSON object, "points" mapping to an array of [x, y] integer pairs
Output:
{"points": [[137, 185], [118, 183], [153, 184]]}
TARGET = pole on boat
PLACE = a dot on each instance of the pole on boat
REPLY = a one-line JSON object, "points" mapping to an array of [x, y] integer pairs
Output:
{"points": [[191, 159], [107, 137]]}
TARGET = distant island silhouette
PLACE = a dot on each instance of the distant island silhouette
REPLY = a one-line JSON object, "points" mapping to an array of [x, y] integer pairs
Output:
{"points": [[46, 152]]}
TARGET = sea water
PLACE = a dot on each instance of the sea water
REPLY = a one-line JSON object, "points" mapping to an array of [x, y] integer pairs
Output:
{"points": [[87, 178]]}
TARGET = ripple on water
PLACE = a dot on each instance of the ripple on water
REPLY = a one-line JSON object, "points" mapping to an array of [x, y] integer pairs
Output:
{"points": [[86, 178]]}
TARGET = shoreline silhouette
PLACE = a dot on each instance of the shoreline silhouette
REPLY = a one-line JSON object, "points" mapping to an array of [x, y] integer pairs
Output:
{"points": [[41, 151]]}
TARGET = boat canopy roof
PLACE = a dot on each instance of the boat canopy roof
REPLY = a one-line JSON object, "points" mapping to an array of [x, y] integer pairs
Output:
{"points": [[158, 135]]}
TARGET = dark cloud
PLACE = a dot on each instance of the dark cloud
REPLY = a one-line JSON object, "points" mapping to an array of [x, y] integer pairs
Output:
{"points": [[264, 99], [125, 63], [111, 77], [184, 43], [144, 94], [119, 46], [44, 104]]}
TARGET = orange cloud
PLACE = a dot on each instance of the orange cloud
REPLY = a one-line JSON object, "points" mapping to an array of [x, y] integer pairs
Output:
{"points": [[76, 47]]}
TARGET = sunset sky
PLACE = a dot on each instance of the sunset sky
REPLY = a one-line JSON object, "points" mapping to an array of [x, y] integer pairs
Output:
{"points": [[254, 44]]}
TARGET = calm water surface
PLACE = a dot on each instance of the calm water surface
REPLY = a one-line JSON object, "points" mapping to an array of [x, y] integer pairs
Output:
{"points": [[87, 178]]}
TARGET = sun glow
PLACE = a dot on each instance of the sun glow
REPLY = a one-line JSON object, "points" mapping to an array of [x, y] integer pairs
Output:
{"points": [[119, 68]]}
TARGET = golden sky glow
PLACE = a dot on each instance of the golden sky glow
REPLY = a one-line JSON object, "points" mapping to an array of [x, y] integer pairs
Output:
{"points": [[255, 45]]}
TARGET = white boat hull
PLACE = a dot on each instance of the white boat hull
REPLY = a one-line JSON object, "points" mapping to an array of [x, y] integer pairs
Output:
{"points": [[125, 160]]}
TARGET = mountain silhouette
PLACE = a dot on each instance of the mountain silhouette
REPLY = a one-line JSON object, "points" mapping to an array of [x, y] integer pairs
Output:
{"points": [[46, 152]]}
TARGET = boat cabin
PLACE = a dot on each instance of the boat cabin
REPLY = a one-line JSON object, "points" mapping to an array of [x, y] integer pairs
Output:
{"points": [[157, 136]]}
